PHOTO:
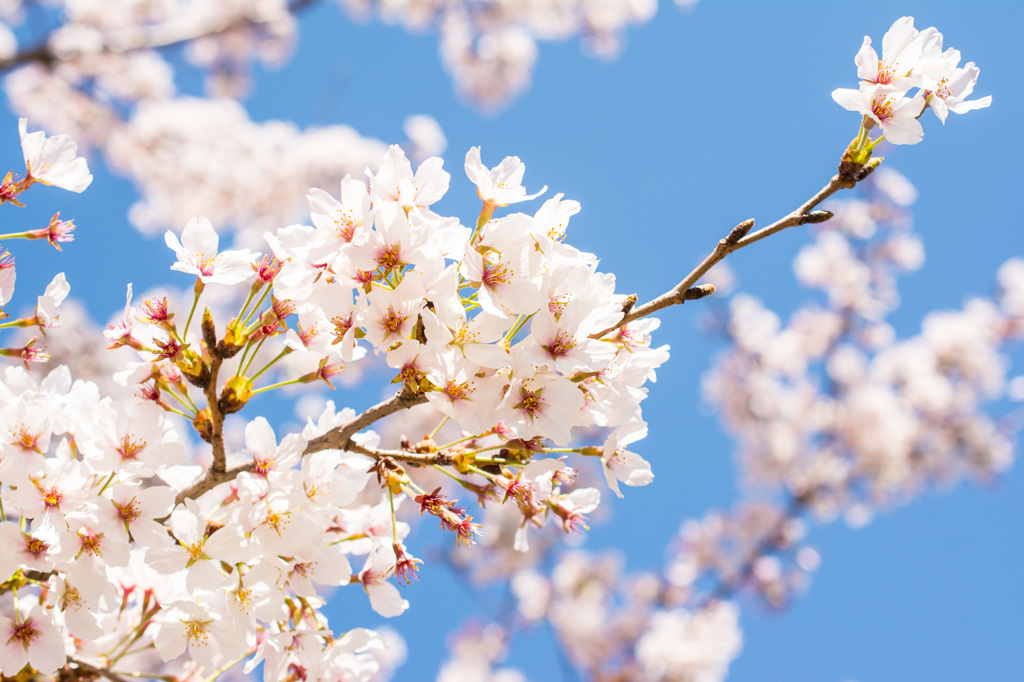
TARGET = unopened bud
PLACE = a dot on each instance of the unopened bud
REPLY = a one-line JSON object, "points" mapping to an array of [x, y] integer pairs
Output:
{"points": [[815, 217], [233, 342], [209, 331], [740, 231], [192, 366], [236, 393], [698, 292], [203, 424]]}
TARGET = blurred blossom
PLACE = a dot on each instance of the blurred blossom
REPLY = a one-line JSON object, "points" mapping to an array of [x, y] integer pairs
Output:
{"points": [[426, 138], [690, 646], [1015, 389], [8, 43], [895, 186]]}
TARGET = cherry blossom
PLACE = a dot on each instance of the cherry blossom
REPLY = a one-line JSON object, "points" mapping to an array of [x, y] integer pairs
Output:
{"points": [[197, 254], [53, 161], [501, 185], [30, 639]]}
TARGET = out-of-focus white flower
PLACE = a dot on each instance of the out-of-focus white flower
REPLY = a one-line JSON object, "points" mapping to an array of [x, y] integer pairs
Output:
{"points": [[426, 138], [691, 645]]}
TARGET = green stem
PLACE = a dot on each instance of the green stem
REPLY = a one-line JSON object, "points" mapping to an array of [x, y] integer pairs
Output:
{"points": [[517, 327], [445, 471], [197, 290], [463, 440], [485, 216], [245, 307], [266, 292], [180, 413], [277, 385], [184, 400], [245, 368], [476, 470], [270, 364], [433, 433], [20, 322], [106, 483], [394, 523]]}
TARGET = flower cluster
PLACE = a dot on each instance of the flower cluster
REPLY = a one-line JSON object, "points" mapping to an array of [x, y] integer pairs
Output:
{"points": [[911, 60], [141, 555], [101, 551]]}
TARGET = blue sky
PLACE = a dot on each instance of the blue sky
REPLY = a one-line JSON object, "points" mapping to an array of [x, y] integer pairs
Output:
{"points": [[708, 118]]}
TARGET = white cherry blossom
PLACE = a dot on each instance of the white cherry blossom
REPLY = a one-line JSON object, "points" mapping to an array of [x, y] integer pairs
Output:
{"points": [[53, 161]]}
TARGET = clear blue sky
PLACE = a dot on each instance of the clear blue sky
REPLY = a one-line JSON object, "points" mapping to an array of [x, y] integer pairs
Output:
{"points": [[706, 119]]}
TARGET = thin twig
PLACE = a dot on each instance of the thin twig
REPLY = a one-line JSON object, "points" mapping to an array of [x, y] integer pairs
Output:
{"points": [[737, 239], [339, 438], [95, 670], [418, 458]]}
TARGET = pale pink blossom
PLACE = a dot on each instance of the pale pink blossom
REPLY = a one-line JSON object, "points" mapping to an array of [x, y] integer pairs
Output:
{"points": [[894, 114], [501, 185], [384, 596], [198, 255], [30, 639], [53, 161]]}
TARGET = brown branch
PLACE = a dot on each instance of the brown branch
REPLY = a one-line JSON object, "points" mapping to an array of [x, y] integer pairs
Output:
{"points": [[212, 399], [92, 671], [210, 481], [339, 438], [418, 458], [737, 239]]}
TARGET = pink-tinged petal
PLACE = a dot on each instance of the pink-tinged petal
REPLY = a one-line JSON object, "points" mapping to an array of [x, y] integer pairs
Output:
{"points": [[898, 37], [964, 107], [851, 100], [53, 161], [867, 61], [938, 105], [13, 656], [7, 276], [386, 600], [170, 640], [47, 652], [199, 237], [431, 181]]}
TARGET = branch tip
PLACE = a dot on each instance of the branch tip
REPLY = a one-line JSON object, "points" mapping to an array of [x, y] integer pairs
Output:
{"points": [[698, 292], [739, 232], [815, 217]]}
